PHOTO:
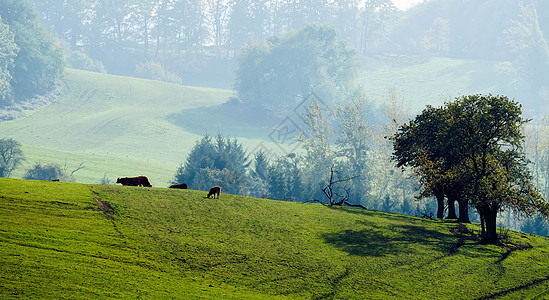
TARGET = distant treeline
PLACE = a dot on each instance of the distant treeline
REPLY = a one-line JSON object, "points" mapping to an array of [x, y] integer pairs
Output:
{"points": [[179, 31], [173, 39]]}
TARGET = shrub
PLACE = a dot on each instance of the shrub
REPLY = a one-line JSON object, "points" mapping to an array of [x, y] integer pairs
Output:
{"points": [[155, 71]]}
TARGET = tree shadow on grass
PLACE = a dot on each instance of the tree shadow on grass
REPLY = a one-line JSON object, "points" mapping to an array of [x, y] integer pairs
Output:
{"points": [[394, 239]]}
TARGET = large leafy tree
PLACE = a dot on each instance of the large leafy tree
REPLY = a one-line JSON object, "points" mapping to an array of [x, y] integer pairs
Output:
{"points": [[39, 63], [487, 132], [8, 52], [474, 149], [11, 156], [353, 144], [420, 144], [285, 69], [316, 140]]}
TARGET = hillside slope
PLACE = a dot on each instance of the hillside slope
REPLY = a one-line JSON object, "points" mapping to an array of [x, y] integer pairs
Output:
{"points": [[116, 117], [62, 240], [422, 81]]}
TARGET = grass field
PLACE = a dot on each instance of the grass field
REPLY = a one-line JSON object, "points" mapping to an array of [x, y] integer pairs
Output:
{"points": [[114, 115], [121, 126], [67, 240], [116, 125], [96, 166], [434, 80]]}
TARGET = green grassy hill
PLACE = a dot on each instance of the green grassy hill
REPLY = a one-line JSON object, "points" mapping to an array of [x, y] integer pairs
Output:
{"points": [[122, 126], [425, 81], [67, 240], [116, 125]]}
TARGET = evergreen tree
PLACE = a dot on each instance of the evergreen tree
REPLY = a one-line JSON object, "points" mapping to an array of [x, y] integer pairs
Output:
{"points": [[285, 180], [536, 225], [215, 161]]}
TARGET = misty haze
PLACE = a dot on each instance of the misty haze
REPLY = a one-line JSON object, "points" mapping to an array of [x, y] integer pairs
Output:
{"points": [[437, 110]]}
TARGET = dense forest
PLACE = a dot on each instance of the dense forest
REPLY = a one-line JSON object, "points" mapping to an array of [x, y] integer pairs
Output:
{"points": [[201, 40], [161, 30]]}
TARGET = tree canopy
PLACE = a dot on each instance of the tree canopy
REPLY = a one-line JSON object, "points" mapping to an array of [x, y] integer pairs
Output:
{"points": [[8, 52], [473, 148], [11, 156], [215, 161], [38, 63], [283, 70]]}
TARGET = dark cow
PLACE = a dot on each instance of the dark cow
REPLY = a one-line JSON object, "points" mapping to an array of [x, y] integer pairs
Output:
{"points": [[214, 190], [134, 181], [179, 186]]}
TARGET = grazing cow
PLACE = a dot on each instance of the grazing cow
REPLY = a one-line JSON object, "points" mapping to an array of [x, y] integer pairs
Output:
{"points": [[134, 181], [179, 186], [214, 190]]}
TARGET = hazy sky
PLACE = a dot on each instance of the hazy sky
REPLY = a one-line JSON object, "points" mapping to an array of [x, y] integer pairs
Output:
{"points": [[405, 4]]}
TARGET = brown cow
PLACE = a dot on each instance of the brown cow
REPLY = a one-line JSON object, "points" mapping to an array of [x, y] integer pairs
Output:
{"points": [[214, 190], [134, 181], [183, 186]]}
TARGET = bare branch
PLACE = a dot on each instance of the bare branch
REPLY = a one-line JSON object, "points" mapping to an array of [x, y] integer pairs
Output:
{"points": [[80, 167], [329, 191]]}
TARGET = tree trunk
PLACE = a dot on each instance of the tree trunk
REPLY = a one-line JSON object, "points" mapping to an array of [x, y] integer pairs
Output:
{"points": [[463, 211], [440, 204], [491, 228], [451, 206], [483, 231]]}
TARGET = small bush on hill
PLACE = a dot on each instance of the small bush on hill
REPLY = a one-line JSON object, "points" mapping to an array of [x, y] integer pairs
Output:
{"points": [[80, 60], [155, 71], [50, 171]]}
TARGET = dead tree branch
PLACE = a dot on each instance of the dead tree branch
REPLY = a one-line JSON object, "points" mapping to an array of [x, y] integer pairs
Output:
{"points": [[335, 198]]}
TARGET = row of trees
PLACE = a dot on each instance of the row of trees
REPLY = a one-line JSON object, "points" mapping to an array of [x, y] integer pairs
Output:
{"points": [[347, 140], [31, 62], [163, 29], [471, 152]]}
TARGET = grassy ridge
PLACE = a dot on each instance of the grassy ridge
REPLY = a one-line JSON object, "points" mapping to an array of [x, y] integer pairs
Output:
{"points": [[153, 243]]}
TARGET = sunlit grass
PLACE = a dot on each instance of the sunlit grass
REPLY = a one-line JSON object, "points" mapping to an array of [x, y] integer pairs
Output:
{"points": [[158, 243]]}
